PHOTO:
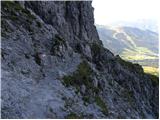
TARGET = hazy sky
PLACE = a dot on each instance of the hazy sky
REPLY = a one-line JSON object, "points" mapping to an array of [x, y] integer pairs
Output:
{"points": [[107, 11]]}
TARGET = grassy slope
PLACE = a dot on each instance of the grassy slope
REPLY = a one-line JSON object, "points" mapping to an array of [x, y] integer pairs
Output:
{"points": [[141, 54], [151, 70], [133, 49]]}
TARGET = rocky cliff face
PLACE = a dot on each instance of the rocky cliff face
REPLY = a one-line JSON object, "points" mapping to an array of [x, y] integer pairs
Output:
{"points": [[55, 66]]}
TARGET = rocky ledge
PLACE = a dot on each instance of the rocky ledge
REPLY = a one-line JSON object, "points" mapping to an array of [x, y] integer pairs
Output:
{"points": [[55, 66]]}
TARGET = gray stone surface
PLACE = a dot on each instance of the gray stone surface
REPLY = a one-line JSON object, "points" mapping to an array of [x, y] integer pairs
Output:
{"points": [[44, 41]]}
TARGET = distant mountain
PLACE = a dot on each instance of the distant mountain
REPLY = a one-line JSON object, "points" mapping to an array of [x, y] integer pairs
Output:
{"points": [[132, 44], [144, 24]]}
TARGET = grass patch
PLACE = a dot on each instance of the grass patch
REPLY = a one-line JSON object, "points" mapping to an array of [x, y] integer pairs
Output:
{"points": [[10, 5], [95, 49], [102, 105], [16, 12], [68, 80], [57, 42], [151, 70], [80, 77], [73, 116], [138, 53]]}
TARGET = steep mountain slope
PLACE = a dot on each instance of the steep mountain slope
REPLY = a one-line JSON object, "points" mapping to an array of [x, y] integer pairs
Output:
{"points": [[55, 66], [132, 44]]}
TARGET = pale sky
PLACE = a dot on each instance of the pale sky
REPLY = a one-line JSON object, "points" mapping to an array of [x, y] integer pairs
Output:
{"points": [[107, 11]]}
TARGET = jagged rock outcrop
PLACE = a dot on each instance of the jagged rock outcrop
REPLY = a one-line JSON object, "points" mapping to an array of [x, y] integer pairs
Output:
{"points": [[55, 66]]}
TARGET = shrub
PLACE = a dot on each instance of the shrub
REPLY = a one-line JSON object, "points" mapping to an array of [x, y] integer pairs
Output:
{"points": [[95, 49], [154, 79], [12, 8], [68, 80], [86, 99], [80, 77], [39, 24], [83, 73], [57, 42]]}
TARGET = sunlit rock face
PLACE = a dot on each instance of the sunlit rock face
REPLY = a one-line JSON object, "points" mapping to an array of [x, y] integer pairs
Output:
{"points": [[55, 66]]}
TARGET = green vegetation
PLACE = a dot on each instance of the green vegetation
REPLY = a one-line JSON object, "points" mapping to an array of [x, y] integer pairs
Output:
{"points": [[86, 99], [141, 55], [95, 48], [68, 80], [101, 104], [155, 79], [11, 5], [5, 28], [151, 70], [132, 44], [39, 24], [14, 10], [80, 77], [129, 95], [58, 41], [130, 65], [138, 53], [73, 116]]}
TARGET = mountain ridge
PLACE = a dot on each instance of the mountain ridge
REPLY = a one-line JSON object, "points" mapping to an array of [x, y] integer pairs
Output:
{"points": [[143, 24], [132, 44]]}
